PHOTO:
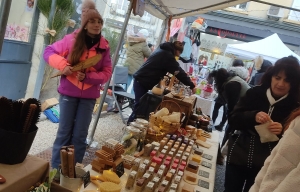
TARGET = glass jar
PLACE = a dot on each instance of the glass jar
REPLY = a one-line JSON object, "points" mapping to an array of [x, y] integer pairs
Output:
{"points": [[207, 91], [130, 139], [142, 134]]}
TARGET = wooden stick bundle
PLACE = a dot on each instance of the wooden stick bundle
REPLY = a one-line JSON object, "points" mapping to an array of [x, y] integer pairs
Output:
{"points": [[67, 158]]}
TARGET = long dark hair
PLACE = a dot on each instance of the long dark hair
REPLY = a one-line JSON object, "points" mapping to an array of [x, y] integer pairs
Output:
{"points": [[290, 66], [78, 48], [220, 76]]}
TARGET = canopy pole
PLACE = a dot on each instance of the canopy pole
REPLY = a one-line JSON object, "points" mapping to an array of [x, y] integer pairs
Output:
{"points": [[4, 13], [163, 34], [115, 61]]}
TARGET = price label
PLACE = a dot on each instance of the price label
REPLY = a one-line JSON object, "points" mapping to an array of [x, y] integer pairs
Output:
{"points": [[86, 179], [206, 156], [206, 164], [203, 184], [203, 174], [120, 169]]}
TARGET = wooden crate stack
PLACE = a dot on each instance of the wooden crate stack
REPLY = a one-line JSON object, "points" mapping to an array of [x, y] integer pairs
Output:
{"points": [[109, 156]]}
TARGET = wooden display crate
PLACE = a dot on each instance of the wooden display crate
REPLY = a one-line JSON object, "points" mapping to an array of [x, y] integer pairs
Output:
{"points": [[186, 104]]}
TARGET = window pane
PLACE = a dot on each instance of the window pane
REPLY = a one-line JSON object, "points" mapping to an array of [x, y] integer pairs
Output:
{"points": [[20, 20]]}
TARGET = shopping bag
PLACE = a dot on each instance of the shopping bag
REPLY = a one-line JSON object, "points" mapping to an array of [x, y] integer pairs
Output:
{"points": [[265, 134]]}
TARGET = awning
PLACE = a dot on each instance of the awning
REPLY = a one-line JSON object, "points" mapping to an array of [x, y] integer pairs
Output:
{"points": [[271, 48], [163, 9]]}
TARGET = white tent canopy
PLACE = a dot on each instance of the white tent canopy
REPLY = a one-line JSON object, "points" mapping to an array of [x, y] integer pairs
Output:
{"points": [[271, 48], [163, 9]]}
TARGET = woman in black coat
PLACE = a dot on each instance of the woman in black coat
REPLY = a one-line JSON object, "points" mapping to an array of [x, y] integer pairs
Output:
{"points": [[261, 68], [273, 101]]}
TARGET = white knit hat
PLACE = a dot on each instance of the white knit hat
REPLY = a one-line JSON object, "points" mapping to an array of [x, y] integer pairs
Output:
{"points": [[143, 33]]}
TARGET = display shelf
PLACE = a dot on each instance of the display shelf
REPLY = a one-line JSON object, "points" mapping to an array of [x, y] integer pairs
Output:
{"points": [[212, 151]]}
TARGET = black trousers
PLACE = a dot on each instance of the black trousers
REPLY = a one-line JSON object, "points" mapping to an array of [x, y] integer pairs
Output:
{"points": [[139, 91], [215, 113], [239, 178]]}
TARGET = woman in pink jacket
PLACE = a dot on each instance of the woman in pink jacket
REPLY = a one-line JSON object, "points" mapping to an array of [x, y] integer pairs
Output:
{"points": [[79, 90]]}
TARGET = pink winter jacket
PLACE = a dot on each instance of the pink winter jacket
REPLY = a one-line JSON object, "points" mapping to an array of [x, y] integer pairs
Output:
{"points": [[56, 56]]}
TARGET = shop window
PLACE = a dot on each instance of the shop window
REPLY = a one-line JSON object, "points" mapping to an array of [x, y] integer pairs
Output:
{"points": [[242, 6], [20, 19], [295, 15]]}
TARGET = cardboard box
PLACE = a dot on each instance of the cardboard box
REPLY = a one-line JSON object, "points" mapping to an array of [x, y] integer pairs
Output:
{"points": [[49, 103], [104, 107]]}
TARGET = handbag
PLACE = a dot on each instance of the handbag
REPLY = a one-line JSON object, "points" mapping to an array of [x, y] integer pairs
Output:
{"points": [[246, 149]]}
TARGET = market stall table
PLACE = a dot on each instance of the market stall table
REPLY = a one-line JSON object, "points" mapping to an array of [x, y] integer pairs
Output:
{"points": [[210, 172], [206, 105], [20, 177]]}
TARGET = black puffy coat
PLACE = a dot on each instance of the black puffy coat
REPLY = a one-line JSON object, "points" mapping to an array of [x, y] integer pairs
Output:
{"points": [[256, 79], [160, 62], [245, 148]]}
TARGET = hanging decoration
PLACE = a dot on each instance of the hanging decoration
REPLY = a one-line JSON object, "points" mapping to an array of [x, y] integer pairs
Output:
{"points": [[199, 24]]}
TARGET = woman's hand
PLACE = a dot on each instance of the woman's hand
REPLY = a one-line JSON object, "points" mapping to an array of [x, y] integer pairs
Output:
{"points": [[67, 70], [194, 90], [275, 128], [80, 76], [262, 117]]}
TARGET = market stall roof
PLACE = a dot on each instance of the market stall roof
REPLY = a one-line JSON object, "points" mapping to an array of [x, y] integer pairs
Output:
{"points": [[271, 48], [163, 9]]}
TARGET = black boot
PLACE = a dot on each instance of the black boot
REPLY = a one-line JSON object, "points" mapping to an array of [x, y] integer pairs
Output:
{"points": [[219, 127]]}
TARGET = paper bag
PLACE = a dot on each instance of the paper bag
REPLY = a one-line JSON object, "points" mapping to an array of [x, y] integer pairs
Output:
{"points": [[265, 134]]}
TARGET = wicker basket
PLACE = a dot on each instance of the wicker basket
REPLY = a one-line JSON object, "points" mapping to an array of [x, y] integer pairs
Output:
{"points": [[165, 126], [154, 137]]}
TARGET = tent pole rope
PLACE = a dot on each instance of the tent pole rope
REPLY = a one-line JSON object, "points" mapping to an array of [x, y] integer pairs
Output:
{"points": [[115, 60]]}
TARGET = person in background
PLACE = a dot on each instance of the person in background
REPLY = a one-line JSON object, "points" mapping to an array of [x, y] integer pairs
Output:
{"points": [[272, 101], [78, 90], [230, 88], [281, 169], [160, 62], [261, 66], [137, 51], [239, 69], [236, 69]]}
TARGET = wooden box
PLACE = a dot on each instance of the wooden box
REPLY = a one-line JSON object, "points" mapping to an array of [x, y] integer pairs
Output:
{"points": [[186, 104]]}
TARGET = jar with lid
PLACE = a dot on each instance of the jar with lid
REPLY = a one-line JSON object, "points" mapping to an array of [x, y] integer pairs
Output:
{"points": [[143, 131], [130, 139], [207, 91]]}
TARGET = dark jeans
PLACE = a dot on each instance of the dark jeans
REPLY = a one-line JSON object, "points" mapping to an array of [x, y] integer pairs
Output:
{"points": [[139, 91], [215, 113], [238, 177]]}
